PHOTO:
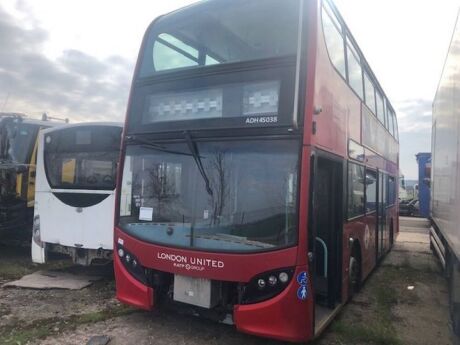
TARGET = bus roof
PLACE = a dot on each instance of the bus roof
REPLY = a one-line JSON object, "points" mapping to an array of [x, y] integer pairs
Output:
{"points": [[25, 119], [84, 124]]}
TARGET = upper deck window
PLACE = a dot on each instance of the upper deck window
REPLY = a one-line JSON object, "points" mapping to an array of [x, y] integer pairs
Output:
{"points": [[369, 92], [395, 125], [355, 71], [380, 108], [217, 32], [390, 122], [334, 40]]}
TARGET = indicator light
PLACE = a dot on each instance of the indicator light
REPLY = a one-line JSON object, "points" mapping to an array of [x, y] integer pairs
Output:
{"points": [[128, 258], [272, 280]]}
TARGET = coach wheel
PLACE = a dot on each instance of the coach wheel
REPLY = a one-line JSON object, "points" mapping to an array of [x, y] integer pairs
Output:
{"points": [[354, 275]]}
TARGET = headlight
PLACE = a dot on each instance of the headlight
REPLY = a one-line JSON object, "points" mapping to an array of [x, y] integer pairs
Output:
{"points": [[266, 285], [132, 265], [284, 277]]}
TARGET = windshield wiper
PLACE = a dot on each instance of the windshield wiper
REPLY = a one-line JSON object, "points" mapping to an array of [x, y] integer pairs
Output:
{"points": [[234, 239], [154, 146], [196, 156]]}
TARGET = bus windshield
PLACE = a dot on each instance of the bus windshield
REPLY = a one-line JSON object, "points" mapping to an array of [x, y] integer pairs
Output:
{"points": [[82, 158], [217, 32], [247, 201], [18, 142]]}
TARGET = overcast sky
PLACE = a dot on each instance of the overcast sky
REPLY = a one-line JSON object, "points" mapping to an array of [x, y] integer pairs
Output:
{"points": [[75, 58]]}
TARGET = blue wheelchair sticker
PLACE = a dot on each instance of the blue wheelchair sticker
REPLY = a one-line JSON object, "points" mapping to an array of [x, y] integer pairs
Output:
{"points": [[302, 293], [302, 278]]}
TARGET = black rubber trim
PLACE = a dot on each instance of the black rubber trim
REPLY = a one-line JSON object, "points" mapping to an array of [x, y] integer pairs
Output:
{"points": [[81, 199]]}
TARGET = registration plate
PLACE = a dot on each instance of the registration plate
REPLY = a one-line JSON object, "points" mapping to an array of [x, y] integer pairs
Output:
{"points": [[195, 291]]}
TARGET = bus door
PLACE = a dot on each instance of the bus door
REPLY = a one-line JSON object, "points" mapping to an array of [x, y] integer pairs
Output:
{"points": [[372, 225], [327, 226], [383, 230]]}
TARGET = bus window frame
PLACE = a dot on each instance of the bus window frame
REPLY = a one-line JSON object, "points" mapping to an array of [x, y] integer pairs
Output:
{"points": [[368, 77], [347, 194], [376, 173], [336, 20], [366, 168], [393, 203], [354, 51], [366, 70], [47, 174], [295, 243]]}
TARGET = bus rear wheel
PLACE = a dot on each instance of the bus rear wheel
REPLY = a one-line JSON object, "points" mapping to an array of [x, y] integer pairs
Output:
{"points": [[354, 275]]}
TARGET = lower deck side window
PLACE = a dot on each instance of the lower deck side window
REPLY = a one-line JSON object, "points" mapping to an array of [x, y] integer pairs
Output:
{"points": [[356, 189]]}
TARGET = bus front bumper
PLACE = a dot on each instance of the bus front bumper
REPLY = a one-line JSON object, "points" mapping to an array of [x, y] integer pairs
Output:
{"points": [[284, 317], [131, 291]]}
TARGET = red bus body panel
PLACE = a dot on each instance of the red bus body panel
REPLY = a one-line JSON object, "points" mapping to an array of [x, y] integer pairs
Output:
{"points": [[224, 267], [283, 317], [339, 121], [129, 290]]}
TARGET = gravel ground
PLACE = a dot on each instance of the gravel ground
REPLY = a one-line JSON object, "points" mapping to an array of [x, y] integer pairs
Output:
{"points": [[403, 302]]}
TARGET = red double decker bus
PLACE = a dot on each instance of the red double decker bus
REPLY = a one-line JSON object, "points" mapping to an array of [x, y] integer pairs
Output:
{"points": [[258, 177]]}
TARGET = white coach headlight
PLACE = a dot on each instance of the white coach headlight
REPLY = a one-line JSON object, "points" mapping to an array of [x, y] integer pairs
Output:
{"points": [[121, 252]]}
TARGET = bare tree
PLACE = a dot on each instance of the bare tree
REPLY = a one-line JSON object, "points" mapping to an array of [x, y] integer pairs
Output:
{"points": [[220, 185]]}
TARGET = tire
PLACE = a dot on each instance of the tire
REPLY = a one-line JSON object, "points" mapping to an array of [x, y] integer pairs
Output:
{"points": [[392, 235], [454, 303], [456, 321], [433, 251], [354, 275]]}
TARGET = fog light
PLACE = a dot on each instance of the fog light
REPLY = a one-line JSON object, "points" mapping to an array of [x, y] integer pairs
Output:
{"points": [[261, 283], [36, 236], [272, 280], [284, 277], [121, 252], [37, 221]]}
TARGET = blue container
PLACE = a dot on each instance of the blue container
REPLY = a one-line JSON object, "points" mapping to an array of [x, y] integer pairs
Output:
{"points": [[424, 183]]}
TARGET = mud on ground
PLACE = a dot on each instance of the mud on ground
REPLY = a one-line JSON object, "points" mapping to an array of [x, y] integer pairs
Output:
{"points": [[403, 302]]}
